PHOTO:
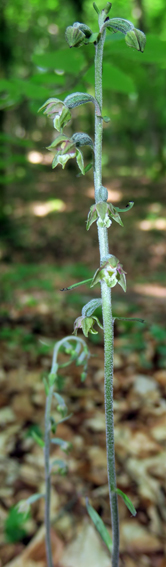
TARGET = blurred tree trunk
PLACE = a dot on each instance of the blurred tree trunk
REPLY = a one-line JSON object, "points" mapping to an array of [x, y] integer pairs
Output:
{"points": [[78, 6], [5, 62]]}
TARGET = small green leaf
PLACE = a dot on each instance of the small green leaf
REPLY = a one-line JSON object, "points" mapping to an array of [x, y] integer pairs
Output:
{"points": [[59, 399], [76, 99], [80, 161], [81, 139], [46, 386], [65, 418], [121, 279], [88, 167], [96, 8], [38, 439], [50, 102], [52, 376], [35, 497], [61, 120], [127, 207], [130, 319], [83, 376], [76, 285], [92, 217], [96, 278], [64, 445], [61, 466], [127, 501], [23, 506], [61, 404], [99, 525], [106, 118], [58, 140], [102, 209], [91, 306], [14, 525], [115, 215], [93, 38], [118, 24]]}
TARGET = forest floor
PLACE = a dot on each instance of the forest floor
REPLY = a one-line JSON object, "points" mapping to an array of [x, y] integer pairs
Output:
{"points": [[47, 250]]}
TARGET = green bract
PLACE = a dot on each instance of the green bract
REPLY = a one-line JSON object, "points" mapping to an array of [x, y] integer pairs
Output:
{"points": [[77, 35], [136, 38], [133, 37]]}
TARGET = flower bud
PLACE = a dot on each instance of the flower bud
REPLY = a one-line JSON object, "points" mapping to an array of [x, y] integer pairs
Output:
{"points": [[77, 34], [136, 39]]}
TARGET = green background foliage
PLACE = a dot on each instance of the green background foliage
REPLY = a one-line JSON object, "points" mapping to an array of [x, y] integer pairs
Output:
{"points": [[36, 63]]}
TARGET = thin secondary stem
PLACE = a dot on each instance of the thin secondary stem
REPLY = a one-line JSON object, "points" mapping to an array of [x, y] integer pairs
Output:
{"points": [[107, 314], [54, 368], [48, 476]]}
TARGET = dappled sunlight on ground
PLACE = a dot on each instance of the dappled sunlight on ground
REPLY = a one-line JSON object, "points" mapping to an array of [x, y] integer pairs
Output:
{"points": [[113, 195], [155, 224], [154, 290], [43, 209]]}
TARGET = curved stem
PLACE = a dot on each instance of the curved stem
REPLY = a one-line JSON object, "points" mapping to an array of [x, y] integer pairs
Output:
{"points": [[47, 445], [107, 315]]}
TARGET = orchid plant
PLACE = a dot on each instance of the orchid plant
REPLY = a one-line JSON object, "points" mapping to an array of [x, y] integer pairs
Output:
{"points": [[109, 273]]}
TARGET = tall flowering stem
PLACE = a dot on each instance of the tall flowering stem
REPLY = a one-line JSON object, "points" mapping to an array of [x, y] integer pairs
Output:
{"points": [[111, 270], [107, 313]]}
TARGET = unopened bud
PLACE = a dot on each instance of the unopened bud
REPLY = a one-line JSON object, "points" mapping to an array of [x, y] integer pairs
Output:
{"points": [[136, 39], [74, 37]]}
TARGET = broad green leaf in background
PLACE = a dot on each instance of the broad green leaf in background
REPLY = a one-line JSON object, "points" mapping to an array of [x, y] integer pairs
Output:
{"points": [[62, 60], [113, 79], [155, 51], [43, 78]]}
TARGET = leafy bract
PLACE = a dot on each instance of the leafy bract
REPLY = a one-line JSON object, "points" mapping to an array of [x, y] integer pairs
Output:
{"points": [[99, 525]]}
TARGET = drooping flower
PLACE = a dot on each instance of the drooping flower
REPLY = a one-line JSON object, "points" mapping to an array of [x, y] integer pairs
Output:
{"points": [[87, 325], [58, 111], [65, 149]]}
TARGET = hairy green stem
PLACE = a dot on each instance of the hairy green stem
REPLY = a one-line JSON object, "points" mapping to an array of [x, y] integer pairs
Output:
{"points": [[107, 314]]}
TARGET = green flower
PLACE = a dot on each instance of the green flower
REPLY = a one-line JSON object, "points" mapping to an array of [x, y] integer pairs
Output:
{"points": [[103, 213], [87, 325], [111, 272], [65, 149], [56, 109]]}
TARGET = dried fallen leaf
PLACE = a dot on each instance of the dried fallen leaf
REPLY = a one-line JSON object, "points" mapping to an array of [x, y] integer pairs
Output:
{"points": [[86, 550]]}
